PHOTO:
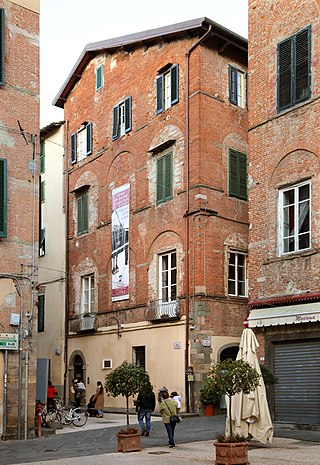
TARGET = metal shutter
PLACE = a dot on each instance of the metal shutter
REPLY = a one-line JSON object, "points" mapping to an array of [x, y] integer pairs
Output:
{"points": [[297, 396]]}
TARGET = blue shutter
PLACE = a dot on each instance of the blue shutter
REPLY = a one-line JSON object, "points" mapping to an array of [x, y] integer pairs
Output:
{"points": [[174, 76], [127, 114], [160, 93], [233, 97], [73, 147], [89, 138], [3, 197], [116, 123], [1, 46]]}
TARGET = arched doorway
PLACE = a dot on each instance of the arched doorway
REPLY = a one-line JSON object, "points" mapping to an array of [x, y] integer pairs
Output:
{"points": [[78, 367], [229, 352]]}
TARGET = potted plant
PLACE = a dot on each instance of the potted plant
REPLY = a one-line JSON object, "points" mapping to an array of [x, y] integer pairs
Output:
{"points": [[231, 377], [209, 397], [127, 380]]}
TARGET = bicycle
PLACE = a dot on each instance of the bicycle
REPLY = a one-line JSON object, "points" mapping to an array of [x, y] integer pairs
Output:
{"points": [[75, 415]]}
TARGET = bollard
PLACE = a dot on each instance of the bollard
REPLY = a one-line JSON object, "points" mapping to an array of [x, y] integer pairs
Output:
{"points": [[39, 424]]}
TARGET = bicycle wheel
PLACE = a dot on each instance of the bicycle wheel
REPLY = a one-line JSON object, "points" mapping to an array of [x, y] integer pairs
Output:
{"points": [[79, 417], [63, 415]]}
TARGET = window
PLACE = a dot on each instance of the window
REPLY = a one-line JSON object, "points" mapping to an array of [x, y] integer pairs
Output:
{"points": [[42, 242], [42, 191], [87, 294], [41, 301], [99, 77], [42, 157], [107, 364], [81, 143], [82, 214], [168, 277], [167, 89], [3, 197], [1, 46], [139, 356], [237, 174], [237, 87], [165, 178], [293, 73], [122, 118], [237, 274], [295, 218]]}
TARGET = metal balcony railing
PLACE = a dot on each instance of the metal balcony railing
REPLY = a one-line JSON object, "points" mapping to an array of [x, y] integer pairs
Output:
{"points": [[158, 311], [82, 323]]}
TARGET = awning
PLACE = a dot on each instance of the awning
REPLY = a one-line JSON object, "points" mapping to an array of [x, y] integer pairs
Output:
{"points": [[287, 315]]}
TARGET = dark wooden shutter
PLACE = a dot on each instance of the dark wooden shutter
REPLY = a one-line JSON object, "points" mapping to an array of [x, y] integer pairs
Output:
{"points": [[89, 138], [42, 242], [127, 114], [41, 313], [174, 75], [242, 171], [42, 157], [160, 93], [116, 122], [1, 46], [233, 85], [233, 176], [3, 197], [160, 171], [284, 74], [168, 176], [302, 65], [73, 147]]}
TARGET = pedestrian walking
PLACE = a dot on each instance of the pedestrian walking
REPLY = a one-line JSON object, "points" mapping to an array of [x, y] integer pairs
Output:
{"points": [[168, 407], [99, 399], [145, 405]]}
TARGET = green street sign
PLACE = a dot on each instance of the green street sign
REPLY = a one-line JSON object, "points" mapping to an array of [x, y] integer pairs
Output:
{"points": [[9, 341]]}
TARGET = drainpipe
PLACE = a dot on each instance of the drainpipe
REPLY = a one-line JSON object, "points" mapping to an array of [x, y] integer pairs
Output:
{"points": [[187, 55], [66, 296]]}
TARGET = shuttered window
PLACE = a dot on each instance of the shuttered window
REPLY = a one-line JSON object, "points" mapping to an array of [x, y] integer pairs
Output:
{"points": [[165, 178], [99, 77], [167, 89], [81, 143], [73, 147], [237, 87], [294, 69], [42, 157], [3, 197], [82, 214], [42, 242], [41, 301], [1, 46], [237, 174], [122, 118]]}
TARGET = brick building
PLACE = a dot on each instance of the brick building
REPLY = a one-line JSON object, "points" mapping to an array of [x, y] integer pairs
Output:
{"points": [[284, 200], [19, 128], [157, 212]]}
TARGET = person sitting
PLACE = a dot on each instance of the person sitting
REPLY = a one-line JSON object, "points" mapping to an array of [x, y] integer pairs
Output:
{"points": [[51, 394]]}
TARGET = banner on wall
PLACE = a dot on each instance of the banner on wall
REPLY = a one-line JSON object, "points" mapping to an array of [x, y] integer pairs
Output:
{"points": [[120, 242]]}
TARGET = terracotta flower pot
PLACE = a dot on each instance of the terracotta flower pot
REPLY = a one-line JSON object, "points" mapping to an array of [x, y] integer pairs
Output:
{"points": [[129, 442], [209, 410], [231, 453]]}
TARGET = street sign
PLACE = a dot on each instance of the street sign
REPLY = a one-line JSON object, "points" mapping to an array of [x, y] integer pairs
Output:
{"points": [[9, 341]]}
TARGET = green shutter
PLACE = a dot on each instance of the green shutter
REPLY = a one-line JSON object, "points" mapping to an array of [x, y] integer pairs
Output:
{"points": [[242, 168], [1, 46], [174, 76], [41, 313], [3, 197], [99, 77], [168, 177], [42, 157], [160, 170], [165, 178], [73, 147], [233, 176], [82, 215]]}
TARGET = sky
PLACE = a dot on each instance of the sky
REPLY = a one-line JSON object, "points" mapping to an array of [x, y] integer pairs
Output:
{"points": [[66, 26]]}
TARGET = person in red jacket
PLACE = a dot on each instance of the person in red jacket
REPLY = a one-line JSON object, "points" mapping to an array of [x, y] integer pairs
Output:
{"points": [[52, 393]]}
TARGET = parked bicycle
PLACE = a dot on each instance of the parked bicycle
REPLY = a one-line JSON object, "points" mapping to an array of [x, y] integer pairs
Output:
{"points": [[75, 415]]}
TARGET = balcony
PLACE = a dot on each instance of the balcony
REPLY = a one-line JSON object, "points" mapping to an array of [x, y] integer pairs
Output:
{"points": [[83, 323], [159, 311]]}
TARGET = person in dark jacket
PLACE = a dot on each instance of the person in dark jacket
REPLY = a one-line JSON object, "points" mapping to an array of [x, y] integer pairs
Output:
{"points": [[145, 404]]}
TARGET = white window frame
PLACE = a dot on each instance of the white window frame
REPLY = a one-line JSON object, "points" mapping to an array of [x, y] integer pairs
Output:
{"points": [[169, 285], [296, 235], [107, 364], [135, 358], [88, 294], [236, 279]]}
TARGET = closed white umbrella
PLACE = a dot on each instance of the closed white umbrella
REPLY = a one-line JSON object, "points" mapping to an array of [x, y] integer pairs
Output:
{"points": [[250, 412]]}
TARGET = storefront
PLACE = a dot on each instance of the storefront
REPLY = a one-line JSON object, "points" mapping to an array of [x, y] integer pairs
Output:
{"points": [[292, 350]]}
